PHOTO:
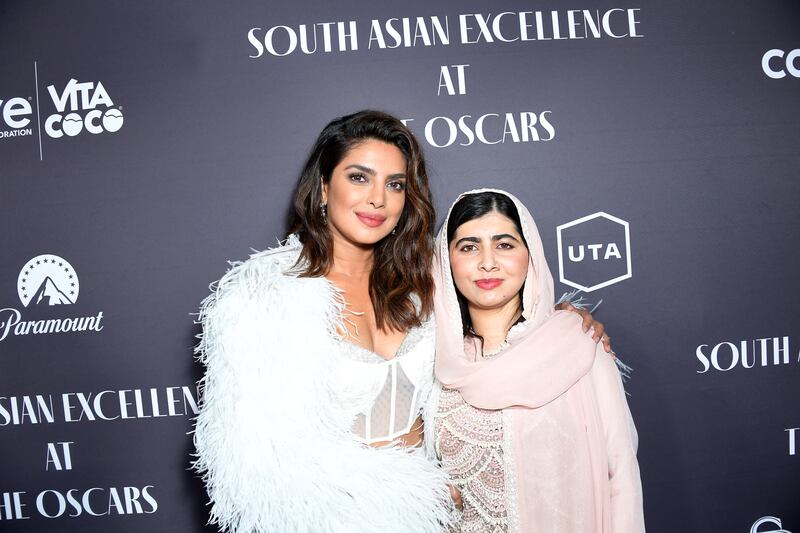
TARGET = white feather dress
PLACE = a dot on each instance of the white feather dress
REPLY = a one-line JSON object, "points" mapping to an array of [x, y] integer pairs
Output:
{"points": [[274, 438]]}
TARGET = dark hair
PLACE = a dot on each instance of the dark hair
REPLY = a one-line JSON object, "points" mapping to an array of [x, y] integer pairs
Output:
{"points": [[401, 266], [470, 207]]}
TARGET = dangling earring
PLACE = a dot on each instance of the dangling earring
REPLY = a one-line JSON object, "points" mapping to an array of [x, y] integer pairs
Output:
{"points": [[324, 214], [394, 230]]}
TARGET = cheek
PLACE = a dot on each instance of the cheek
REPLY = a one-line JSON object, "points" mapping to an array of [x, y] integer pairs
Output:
{"points": [[397, 202], [461, 273], [518, 268], [339, 197]]}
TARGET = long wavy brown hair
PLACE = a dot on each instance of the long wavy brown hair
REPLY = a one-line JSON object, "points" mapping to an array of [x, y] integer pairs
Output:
{"points": [[401, 266]]}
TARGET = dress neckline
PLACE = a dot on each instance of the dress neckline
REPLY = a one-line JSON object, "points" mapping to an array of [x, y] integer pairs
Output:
{"points": [[402, 349]]}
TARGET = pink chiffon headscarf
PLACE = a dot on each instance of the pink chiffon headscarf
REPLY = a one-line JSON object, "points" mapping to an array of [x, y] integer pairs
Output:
{"points": [[546, 355]]}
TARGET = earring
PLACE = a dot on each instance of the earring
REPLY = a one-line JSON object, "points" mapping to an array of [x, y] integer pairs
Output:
{"points": [[324, 214], [394, 230]]}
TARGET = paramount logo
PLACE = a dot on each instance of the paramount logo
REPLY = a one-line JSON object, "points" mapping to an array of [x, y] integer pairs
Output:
{"points": [[55, 279], [46, 281], [49, 294]]}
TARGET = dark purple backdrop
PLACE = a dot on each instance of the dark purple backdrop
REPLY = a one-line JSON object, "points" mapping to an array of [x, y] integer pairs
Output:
{"points": [[680, 130]]}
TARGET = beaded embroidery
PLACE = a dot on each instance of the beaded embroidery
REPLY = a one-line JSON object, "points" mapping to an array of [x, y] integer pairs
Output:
{"points": [[470, 443]]}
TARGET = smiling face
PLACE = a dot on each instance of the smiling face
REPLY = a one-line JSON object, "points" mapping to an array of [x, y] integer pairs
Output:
{"points": [[366, 193], [489, 262]]}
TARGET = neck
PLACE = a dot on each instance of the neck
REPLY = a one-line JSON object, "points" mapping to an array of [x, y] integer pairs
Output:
{"points": [[493, 324], [351, 260]]}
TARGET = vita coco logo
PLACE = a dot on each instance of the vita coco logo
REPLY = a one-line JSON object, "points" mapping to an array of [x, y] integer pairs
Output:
{"points": [[46, 281], [76, 107], [90, 108], [776, 63]]}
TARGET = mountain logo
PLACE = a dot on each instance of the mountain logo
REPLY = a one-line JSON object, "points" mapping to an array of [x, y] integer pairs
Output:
{"points": [[49, 280]]}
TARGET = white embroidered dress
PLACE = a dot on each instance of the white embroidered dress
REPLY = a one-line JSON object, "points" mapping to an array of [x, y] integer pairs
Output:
{"points": [[470, 443]]}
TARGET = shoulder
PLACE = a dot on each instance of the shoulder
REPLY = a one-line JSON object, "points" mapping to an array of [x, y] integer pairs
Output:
{"points": [[268, 278], [263, 296], [272, 272], [268, 266], [605, 371], [564, 329]]}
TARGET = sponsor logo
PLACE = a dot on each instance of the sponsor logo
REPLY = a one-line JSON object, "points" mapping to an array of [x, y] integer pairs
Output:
{"points": [[60, 110], [769, 521], [725, 356], [82, 106], [47, 281], [594, 251], [15, 117], [776, 63]]}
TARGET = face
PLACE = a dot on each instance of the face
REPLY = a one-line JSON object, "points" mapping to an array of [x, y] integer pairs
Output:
{"points": [[366, 193], [489, 262]]}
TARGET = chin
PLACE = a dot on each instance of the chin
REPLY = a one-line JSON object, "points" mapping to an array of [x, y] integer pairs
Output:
{"points": [[490, 303], [367, 238]]}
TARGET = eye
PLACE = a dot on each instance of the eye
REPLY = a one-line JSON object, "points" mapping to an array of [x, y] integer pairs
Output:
{"points": [[357, 178], [505, 246], [468, 248], [397, 186]]}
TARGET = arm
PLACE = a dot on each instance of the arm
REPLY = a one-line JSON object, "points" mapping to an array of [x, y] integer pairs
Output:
{"points": [[627, 515]]}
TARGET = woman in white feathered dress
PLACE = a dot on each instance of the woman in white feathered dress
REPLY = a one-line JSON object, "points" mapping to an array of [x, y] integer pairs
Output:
{"points": [[319, 352]]}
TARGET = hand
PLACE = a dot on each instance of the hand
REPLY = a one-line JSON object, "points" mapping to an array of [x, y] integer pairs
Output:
{"points": [[456, 495], [589, 322]]}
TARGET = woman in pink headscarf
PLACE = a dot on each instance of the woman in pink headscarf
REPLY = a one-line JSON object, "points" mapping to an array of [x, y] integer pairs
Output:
{"points": [[531, 422]]}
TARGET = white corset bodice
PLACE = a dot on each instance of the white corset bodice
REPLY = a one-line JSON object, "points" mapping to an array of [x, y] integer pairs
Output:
{"points": [[385, 397]]}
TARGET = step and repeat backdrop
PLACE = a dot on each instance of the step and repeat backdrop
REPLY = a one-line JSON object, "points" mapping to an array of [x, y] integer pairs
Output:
{"points": [[142, 145]]}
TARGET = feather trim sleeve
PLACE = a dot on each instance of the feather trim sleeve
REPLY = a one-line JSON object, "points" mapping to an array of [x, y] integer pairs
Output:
{"points": [[272, 445]]}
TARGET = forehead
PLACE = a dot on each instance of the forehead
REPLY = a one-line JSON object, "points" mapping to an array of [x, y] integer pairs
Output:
{"points": [[486, 226], [377, 155]]}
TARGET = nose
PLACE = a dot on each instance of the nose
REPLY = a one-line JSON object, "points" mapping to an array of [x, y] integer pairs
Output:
{"points": [[487, 260], [377, 195]]}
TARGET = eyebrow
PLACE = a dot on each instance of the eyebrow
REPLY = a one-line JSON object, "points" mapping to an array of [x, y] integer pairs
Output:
{"points": [[372, 172], [504, 236], [494, 238], [362, 168]]}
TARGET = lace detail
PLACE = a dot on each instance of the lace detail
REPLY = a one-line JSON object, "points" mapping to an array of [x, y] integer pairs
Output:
{"points": [[385, 397], [359, 353], [470, 443]]}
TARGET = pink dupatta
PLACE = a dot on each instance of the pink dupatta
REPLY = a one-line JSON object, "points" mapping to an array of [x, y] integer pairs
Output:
{"points": [[551, 362], [547, 357]]}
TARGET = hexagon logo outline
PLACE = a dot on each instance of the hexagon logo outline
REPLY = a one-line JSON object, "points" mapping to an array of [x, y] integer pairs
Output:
{"points": [[599, 214]]}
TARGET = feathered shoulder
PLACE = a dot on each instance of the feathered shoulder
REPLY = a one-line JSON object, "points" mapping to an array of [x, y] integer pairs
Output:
{"points": [[268, 267], [264, 285]]}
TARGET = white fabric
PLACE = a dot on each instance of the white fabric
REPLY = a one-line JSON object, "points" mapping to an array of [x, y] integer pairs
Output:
{"points": [[274, 435], [385, 397]]}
